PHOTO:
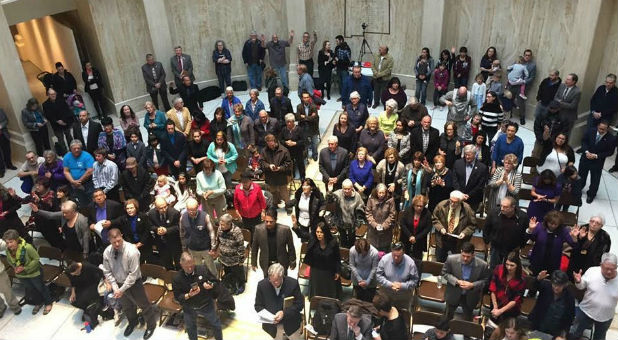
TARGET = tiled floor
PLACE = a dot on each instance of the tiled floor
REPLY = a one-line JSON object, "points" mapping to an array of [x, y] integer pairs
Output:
{"points": [[64, 321]]}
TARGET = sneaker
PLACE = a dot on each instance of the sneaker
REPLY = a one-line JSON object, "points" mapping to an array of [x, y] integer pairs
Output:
{"points": [[524, 97]]}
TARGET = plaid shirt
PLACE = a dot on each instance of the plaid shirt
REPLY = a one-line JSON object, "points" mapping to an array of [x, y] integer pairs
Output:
{"points": [[305, 52], [507, 291]]}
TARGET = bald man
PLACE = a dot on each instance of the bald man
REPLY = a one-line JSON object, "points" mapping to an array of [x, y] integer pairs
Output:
{"points": [[164, 226], [461, 107], [197, 235]]}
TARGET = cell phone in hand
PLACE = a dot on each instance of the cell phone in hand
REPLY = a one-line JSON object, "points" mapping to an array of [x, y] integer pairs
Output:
{"points": [[194, 285]]}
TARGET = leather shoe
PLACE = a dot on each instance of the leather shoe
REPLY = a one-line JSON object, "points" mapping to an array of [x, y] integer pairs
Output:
{"points": [[589, 199], [148, 333], [613, 169], [129, 329]]}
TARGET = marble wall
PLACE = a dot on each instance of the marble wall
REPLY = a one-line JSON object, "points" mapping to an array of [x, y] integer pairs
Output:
{"points": [[608, 62], [196, 25]]}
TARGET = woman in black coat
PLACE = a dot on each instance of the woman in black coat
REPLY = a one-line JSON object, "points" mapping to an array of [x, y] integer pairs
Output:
{"points": [[450, 146], [93, 85], [415, 223], [325, 261], [441, 182], [222, 58], [218, 123], [325, 67], [135, 229], [292, 138], [189, 93], [483, 152], [306, 216]]}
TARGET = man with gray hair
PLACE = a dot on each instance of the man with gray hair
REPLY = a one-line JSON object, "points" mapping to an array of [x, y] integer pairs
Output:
{"points": [[181, 117], [197, 235], [352, 324], [454, 222], [193, 289], [154, 76], [271, 295], [263, 126], [600, 300], [333, 163], [461, 107], [470, 176], [351, 209], [594, 241], [78, 169], [357, 112]]}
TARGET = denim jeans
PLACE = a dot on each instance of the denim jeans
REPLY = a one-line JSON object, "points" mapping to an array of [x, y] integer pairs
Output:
{"points": [[84, 196], [421, 91], [583, 321], [314, 141], [282, 71], [255, 75], [209, 313], [36, 284], [342, 75]]}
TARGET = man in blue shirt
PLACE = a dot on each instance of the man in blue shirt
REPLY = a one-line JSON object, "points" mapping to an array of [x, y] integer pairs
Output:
{"points": [[506, 144], [357, 82], [78, 168], [397, 275]]}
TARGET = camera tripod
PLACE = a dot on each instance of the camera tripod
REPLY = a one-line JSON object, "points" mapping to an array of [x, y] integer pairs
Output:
{"points": [[364, 46]]}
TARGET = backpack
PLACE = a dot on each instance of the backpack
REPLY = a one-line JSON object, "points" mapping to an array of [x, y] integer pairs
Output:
{"points": [[324, 316]]}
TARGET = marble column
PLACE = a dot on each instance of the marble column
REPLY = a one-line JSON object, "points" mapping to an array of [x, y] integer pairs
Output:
{"points": [[431, 28], [159, 30], [14, 91], [296, 17]]}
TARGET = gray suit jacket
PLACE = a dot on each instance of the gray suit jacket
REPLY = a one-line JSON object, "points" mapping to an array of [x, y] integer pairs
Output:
{"points": [[568, 104], [187, 65], [286, 253], [339, 330], [151, 80], [452, 272]]}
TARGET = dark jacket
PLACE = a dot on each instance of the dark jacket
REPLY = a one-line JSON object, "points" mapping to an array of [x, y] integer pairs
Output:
{"points": [[406, 222], [476, 183], [605, 102], [296, 135], [266, 298], [190, 96], [280, 157], [328, 258], [494, 231], [222, 69], [555, 124], [246, 52], [113, 210], [149, 79], [142, 230], [547, 91], [361, 85], [94, 129], [138, 151], [96, 79], [176, 151], [413, 112], [310, 122], [272, 127], [449, 147], [58, 110], [588, 254], [137, 187], [280, 107], [181, 284], [357, 116], [604, 148], [416, 141], [286, 253], [316, 204], [171, 239], [479, 276], [545, 299], [64, 86], [341, 167], [374, 142]]}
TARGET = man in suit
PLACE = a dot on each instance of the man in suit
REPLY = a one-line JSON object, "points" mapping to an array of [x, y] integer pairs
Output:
{"points": [[425, 138], [154, 76], [87, 131], [454, 222], [181, 64], [164, 226], [351, 325], [173, 148], [568, 95], [466, 275], [270, 295], [271, 234], [263, 126], [470, 177], [597, 145], [56, 110], [103, 211], [280, 105], [333, 164], [309, 121], [180, 116]]}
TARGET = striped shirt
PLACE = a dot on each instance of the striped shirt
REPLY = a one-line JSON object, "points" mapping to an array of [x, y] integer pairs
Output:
{"points": [[105, 175]]}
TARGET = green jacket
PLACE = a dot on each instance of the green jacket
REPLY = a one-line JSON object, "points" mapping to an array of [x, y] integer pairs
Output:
{"points": [[30, 260], [385, 71]]}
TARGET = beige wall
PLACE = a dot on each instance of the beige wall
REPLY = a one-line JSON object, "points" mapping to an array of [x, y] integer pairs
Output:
{"points": [[197, 24], [45, 42]]}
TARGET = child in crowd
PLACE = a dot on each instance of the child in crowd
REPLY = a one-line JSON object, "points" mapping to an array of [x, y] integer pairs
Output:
{"points": [[478, 90], [572, 187], [254, 163], [500, 132], [441, 78], [506, 100], [182, 190], [163, 189], [495, 66], [494, 83], [472, 127], [518, 73]]}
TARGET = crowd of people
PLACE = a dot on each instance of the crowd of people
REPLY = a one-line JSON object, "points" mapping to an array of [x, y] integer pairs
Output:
{"points": [[183, 195]]}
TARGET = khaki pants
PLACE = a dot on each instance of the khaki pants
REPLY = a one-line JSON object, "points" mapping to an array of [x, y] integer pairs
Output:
{"points": [[280, 192], [214, 206], [5, 289], [202, 257], [298, 335]]}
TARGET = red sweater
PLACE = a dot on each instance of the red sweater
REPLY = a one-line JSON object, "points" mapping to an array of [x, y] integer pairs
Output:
{"points": [[249, 205]]}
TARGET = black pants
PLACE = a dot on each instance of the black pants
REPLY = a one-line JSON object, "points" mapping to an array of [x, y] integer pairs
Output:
{"points": [[5, 147], [90, 302], [325, 81], [347, 236], [309, 64], [467, 309], [97, 100], [436, 96], [62, 133], [163, 93], [299, 163], [235, 275], [365, 294], [595, 169], [169, 256], [250, 223], [41, 140], [135, 297]]}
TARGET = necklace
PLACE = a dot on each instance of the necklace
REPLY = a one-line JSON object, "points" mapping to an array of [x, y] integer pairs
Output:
{"points": [[389, 170]]}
